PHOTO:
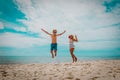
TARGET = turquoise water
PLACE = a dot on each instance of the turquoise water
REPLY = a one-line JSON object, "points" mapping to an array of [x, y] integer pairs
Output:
{"points": [[43, 59]]}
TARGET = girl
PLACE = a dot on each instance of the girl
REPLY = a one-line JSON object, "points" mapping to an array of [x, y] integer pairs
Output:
{"points": [[71, 40]]}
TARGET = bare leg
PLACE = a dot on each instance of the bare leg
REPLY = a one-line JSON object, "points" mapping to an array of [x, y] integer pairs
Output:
{"points": [[52, 53], [72, 55], [75, 58], [55, 52]]}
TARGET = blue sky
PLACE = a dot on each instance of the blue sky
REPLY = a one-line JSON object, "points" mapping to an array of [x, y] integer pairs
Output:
{"points": [[95, 22]]}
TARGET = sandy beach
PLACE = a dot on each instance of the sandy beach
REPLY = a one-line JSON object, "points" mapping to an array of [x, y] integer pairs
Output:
{"points": [[82, 70]]}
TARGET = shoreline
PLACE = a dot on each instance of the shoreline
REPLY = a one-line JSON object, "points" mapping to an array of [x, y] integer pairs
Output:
{"points": [[47, 60], [81, 70]]}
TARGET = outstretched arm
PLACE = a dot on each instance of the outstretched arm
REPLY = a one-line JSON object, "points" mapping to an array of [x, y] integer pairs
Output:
{"points": [[61, 33], [75, 39], [46, 32]]}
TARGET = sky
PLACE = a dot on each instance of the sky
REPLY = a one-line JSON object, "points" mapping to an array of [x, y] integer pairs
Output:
{"points": [[95, 22]]}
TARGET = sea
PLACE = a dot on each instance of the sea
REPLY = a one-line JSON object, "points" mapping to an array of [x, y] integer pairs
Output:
{"points": [[49, 59]]}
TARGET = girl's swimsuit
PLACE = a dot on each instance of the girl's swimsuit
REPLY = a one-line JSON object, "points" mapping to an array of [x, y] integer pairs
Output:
{"points": [[71, 44]]}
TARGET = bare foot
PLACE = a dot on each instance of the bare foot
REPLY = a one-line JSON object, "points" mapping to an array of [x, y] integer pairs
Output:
{"points": [[75, 59]]}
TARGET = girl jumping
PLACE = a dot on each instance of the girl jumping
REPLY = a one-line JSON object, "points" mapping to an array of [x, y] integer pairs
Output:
{"points": [[72, 39]]}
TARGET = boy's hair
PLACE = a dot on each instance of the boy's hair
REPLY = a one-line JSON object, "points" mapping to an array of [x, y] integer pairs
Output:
{"points": [[54, 31]]}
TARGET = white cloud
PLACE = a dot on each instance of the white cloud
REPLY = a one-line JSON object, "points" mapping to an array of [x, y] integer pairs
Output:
{"points": [[66, 14], [19, 41], [1, 25], [81, 17], [15, 26], [102, 33], [98, 45], [116, 10]]}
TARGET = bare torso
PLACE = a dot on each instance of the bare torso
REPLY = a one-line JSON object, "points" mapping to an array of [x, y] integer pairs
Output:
{"points": [[54, 38]]}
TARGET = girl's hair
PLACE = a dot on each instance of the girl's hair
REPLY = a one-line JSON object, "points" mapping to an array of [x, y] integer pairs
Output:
{"points": [[70, 36]]}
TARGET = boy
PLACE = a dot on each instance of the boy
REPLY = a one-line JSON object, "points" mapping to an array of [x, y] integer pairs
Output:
{"points": [[54, 40]]}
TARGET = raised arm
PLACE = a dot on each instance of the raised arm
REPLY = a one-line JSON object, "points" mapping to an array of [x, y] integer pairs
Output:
{"points": [[75, 39], [46, 32], [61, 33]]}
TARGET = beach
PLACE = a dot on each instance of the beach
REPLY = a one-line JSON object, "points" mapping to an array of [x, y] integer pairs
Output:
{"points": [[81, 70]]}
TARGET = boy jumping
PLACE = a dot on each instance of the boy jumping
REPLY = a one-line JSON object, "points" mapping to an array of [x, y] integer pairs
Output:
{"points": [[54, 41]]}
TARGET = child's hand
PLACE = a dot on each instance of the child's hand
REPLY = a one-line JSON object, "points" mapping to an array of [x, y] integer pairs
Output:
{"points": [[75, 36], [41, 29]]}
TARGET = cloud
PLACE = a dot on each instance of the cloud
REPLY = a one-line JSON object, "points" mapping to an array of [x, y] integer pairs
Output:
{"points": [[57, 14], [10, 16], [99, 45], [18, 29], [9, 11], [1, 25], [85, 18], [20, 41], [112, 6]]}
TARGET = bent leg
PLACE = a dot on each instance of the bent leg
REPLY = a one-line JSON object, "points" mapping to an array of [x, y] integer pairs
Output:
{"points": [[55, 51], [52, 54], [75, 58], [52, 46], [72, 55]]}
